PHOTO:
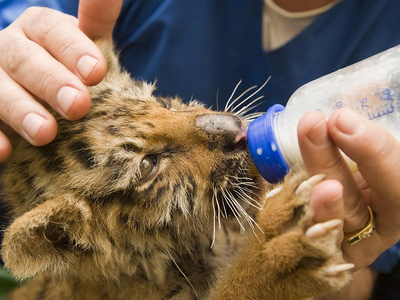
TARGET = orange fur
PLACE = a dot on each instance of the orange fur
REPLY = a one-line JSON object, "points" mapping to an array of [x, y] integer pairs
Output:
{"points": [[122, 205]]}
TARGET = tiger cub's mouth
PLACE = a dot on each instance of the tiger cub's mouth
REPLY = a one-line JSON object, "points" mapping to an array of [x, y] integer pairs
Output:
{"points": [[239, 197], [240, 141]]}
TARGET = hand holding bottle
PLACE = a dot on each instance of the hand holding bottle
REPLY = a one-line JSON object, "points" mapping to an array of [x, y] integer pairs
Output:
{"points": [[377, 155]]}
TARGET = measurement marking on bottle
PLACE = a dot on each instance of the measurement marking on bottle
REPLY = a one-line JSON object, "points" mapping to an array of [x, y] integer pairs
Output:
{"points": [[381, 113], [387, 94], [364, 103]]}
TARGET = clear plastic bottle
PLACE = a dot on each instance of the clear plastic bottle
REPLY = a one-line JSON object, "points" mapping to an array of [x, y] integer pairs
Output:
{"points": [[370, 87]]}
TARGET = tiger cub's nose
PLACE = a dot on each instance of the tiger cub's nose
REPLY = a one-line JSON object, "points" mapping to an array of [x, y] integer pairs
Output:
{"points": [[225, 131]]}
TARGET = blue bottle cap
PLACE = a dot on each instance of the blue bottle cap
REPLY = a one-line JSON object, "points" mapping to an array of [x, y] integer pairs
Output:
{"points": [[264, 148]]}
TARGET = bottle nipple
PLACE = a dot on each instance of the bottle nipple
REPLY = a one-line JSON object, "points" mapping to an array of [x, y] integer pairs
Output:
{"points": [[264, 148]]}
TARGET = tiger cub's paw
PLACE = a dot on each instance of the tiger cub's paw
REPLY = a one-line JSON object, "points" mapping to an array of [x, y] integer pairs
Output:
{"points": [[300, 251]]}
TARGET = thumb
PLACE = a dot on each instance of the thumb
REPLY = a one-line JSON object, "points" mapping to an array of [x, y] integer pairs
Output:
{"points": [[97, 17]]}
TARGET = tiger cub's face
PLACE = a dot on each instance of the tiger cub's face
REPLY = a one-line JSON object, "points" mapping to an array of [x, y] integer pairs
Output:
{"points": [[140, 178]]}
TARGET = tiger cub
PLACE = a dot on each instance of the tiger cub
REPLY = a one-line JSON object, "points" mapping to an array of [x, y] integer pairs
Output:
{"points": [[148, 198]]}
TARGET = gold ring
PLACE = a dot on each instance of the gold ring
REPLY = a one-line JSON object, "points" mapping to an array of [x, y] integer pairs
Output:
{"points": [[363, 233]]}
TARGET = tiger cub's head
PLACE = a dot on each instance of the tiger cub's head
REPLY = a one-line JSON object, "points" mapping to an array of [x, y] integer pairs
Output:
{"points": [[138, 181]]}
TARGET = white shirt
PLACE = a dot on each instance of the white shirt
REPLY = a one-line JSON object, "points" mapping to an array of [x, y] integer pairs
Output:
{"points": [[280, 26]]}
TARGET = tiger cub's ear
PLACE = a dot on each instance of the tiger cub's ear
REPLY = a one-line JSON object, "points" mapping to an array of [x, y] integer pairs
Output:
{"points": [[50, 237], [110, 55]]}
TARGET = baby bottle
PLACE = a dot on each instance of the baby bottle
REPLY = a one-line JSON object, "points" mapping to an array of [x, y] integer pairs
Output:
{"points": [[370, 87]]}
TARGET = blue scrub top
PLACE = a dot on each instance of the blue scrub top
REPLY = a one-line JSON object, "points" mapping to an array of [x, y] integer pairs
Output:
{"points": [[196, 49]]}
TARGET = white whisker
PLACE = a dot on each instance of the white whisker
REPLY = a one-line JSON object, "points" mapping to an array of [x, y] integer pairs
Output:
{"points": [[240, 96], [256, 205], [254, 93], [233, 93], [218, 208], [224, 213], [214, 221], [249, 219], [249, 191], [247, 108], [253, 115], [217, 100], [247, 186], [247, 120], [244, 177], [234, 211], [184, 275]]}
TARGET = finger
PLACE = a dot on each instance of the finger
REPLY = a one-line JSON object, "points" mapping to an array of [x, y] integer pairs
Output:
{"points": [[97, 17], [54, 84], [59, 34], [377, 155], [5, 147], [25, 115], [362, 184], [320, 155], [327, 201]]}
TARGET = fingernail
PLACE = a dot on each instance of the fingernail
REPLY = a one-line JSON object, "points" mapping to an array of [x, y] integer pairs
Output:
{"points": [[32, 123], [318, 133], [85, 65], [66, 97], [350, 123]]}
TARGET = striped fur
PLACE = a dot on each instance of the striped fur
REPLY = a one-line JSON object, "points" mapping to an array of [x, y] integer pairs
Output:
{"points": [[85, 224]]}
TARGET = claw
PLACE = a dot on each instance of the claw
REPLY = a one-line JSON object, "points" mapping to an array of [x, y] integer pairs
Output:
{"points": [[335, 270], [321, 229], [309, 183], [273, 192]]}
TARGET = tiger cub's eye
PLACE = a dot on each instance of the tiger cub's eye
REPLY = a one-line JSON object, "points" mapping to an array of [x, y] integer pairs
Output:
{"points": [[161, 102], [147, 167]]}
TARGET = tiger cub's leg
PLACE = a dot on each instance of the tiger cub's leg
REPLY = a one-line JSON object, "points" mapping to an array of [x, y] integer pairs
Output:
{"points": [[305, 256], [287, 263]]}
